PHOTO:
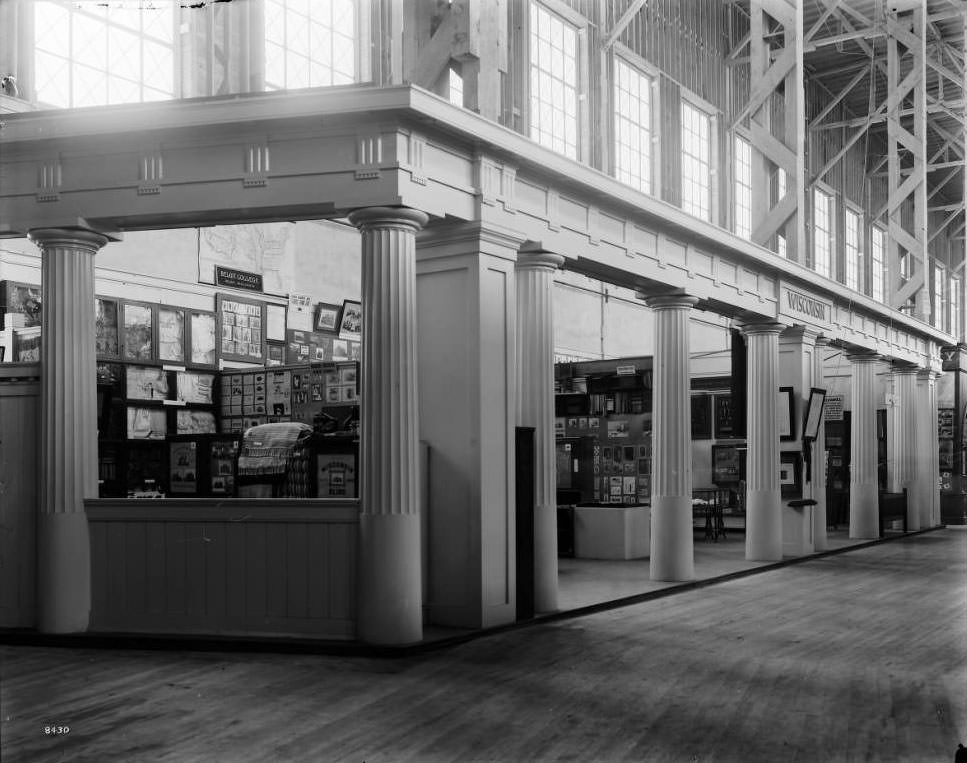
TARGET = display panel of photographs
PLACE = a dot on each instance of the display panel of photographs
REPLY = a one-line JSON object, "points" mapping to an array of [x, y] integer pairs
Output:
{"points": [[351, 321], [107, 336], [241, 332], [137, 332]]}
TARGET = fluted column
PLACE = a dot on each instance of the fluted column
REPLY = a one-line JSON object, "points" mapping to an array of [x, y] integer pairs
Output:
{"points": [[763, 534], [672, 554], [817, 485], [535, 408], [863, 498], [925, 491], [902, 440], [69, 427], [389, 603]]}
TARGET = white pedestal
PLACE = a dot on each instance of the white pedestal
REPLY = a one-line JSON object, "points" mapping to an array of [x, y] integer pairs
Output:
{"points": [[797, 530], [605, 532]]}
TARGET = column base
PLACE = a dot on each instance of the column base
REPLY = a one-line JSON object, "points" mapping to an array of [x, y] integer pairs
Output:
{"points": [[763, 526], [820, 541], [545, 559], [389, 604], [864, 512], [672, 551], [64, 573]]}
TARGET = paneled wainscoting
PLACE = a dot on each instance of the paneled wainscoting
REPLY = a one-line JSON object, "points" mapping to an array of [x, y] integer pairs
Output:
{"points": [[224, 567]]}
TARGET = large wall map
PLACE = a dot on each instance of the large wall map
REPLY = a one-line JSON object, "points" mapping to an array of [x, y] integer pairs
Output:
{"points": [[266, 248]]}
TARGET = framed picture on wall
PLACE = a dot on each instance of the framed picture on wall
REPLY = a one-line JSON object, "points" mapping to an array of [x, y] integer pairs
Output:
{"points": [[814, 413], [790, 474], [137, 334], [327, 317], [351, 321], [785, 415], [171, 334], [106, 327], [723, 417], [242, 334], [201, 338]]}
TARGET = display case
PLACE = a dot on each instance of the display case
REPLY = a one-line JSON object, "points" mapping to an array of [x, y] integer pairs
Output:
{"points": [[141, 409]]}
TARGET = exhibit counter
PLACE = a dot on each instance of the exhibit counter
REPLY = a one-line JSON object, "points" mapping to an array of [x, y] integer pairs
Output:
{"points": [[216, 566]]}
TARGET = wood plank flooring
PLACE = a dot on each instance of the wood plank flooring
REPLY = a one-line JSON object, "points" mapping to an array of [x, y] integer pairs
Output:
{"points": [[854, 657]]}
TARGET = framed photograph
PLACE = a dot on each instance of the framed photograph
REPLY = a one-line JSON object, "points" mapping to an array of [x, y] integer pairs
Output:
{"points": [[726, 465], [171, 334], [21, 298], [351, 322], [785, 415], [327, 317], [137, 335], [195, 388], [201, 338], [107, 339], [723, 417], [147, 423], [340, 349], [813, 419], [146, 383], [790, 474]]}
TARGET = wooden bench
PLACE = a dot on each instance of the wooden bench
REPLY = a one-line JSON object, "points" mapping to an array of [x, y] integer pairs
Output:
{"points": [[892, 506]]}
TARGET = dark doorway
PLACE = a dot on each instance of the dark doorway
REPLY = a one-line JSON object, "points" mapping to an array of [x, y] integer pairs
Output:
{"points": [[524, 460]]}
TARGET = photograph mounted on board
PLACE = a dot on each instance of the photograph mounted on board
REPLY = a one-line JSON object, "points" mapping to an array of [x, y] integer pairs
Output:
{"points": [[327, 317], [351, 323]]}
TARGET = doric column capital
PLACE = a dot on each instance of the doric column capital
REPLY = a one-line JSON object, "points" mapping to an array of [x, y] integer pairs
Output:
{"points": [[79, 238], [766, 327], [678, 300], [900, 367], [864, 356], [538, 260], [801, 334], [929, 375], [388, 217]]}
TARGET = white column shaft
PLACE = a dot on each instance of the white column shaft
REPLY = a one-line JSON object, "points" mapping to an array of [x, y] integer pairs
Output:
{"points": [[863, 498], [763, 535], [818, 483], [672, 552], [390, 596], [69, 427], [903, 441], [535, 401]]}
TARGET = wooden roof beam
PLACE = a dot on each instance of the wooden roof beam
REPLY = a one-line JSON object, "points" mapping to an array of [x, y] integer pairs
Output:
{"points": [[908, 30], [859, 77], [622, 24], [836, 39], [946, 222], [817, 26]]}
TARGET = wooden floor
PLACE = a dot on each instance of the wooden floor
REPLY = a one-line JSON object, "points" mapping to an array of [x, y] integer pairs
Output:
{"points": [[858, 656]]}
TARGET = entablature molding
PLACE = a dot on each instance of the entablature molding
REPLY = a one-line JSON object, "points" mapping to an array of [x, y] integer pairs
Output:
{"points": [[269, 157]]}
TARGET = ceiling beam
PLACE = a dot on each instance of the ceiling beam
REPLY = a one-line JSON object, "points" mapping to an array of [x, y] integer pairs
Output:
{"points": [[836, 39], [622, 24], [860, 76]]}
